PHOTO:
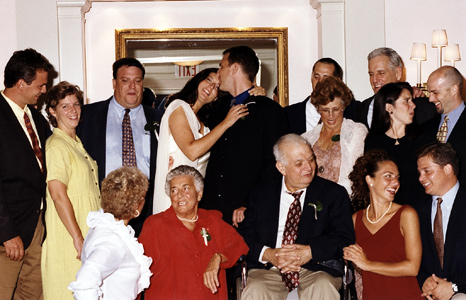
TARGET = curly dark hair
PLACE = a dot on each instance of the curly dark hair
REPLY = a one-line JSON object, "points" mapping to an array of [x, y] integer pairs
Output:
{"points": [[328, 89], [57, 93], [122, 189], [189, 92], [367, 164]]}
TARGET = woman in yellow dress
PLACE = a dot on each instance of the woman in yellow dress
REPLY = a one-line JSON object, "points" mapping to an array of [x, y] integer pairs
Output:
{"points": [[72, 192]]}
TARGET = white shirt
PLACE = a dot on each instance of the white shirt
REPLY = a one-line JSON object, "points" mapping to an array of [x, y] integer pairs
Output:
{"points": [[19, 114], [141, 138], [446, 205], [312, 115], [370, 112], [285, 202], [113, 264]]}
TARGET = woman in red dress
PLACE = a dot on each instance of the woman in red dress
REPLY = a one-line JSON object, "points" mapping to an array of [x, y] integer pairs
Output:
{"points": [[388, 247]]}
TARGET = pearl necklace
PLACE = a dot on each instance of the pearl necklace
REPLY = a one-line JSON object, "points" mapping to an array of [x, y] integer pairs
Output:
{"points": [[187, 220], [375, 222]]}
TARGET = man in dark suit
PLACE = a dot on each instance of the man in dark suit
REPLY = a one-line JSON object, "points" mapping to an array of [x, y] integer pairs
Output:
{"points": [[303, 116], [323, 229], [100, 129], [443, 267], [243, 156], [386, 66], [23, 131], [445, 86]]}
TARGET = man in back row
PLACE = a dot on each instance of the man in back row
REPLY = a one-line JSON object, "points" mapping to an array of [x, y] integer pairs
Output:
{"points": [[386, 66], [113, 133]]}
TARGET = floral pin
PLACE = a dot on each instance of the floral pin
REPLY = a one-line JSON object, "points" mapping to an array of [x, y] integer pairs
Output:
{"points": [[205, 235], [151, 125], [317, 207]]}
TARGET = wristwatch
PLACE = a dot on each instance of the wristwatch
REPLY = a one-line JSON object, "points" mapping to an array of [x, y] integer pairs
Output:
{"points": [[454, 287]]}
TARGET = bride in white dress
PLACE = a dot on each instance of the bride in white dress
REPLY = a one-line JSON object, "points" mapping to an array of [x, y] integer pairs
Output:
{"points": [[183, 139]]}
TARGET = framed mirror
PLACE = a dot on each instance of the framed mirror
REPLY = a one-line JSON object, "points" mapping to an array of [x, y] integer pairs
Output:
{"points": [[172, 56]]}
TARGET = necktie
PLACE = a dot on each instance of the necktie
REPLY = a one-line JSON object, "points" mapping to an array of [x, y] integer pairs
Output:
{"points": [[291, 279], [129, 154], [442, 132], [35, 141], [438, 231]]}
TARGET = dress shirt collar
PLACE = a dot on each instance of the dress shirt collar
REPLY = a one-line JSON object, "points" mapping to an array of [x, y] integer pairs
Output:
{"points": [[285, 194], [312, 115], [121, 110], [17, 110], [242, 97]]}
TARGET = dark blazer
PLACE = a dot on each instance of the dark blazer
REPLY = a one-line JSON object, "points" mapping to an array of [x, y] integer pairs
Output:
{"points": [[22, 184], [327, 235], [243, 156], [457, 139], [93, 132], [424, 111], [297, 115], [454, 261]]}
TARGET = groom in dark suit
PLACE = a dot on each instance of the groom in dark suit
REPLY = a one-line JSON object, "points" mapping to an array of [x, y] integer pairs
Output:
{"points": [[323, 228], [100, 129], [23, 131], [442, 275]]}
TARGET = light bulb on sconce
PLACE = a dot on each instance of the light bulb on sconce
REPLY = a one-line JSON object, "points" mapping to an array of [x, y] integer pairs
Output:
{"points": [[439, 40], [418, 53], [452, 53]]}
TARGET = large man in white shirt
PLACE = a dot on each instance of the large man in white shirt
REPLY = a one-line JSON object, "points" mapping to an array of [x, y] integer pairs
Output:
{"points": [[324, 227], [101, 128]]}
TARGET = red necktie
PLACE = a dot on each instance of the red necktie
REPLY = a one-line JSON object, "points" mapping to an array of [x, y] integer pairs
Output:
{"points": [[438, 232], [35, 141], [129, 154], [291, 279]]}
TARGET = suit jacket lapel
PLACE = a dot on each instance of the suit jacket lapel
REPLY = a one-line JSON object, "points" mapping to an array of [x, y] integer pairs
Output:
{"points": [[454, 226]]}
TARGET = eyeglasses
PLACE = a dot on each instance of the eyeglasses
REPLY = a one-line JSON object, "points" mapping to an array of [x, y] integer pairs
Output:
{"points": [[333, 111]]}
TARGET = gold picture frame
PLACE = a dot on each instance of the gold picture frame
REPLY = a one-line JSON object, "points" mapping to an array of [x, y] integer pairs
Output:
{"points": [[218, 37]]}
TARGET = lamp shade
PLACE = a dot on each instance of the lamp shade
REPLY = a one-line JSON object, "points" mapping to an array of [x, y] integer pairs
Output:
{"points": [[452, 52], [418, 52], [439, 38]]}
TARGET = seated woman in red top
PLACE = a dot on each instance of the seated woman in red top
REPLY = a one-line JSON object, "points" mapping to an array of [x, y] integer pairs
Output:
{"points": [[388, 246], [190, 247]]}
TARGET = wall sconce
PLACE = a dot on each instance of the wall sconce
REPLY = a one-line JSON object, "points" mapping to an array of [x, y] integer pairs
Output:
{"points": [[452, 53], [418, 53], [439, 40]]}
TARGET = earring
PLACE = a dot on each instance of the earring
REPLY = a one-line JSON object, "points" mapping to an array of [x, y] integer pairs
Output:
{"points": [[391, 112], [371, 184], [137, 213]]}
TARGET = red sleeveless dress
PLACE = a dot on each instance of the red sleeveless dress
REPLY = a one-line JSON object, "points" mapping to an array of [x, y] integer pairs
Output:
{"points": [[386, 245]]}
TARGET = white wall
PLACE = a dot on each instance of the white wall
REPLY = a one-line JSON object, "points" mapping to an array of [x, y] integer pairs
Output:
{"points": [[104, 17], [28, 24], [7, 34], [414, 20]]}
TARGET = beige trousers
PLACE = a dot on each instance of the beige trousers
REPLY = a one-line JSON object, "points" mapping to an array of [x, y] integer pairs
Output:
{"points": [[267, 284], [22, 280]]}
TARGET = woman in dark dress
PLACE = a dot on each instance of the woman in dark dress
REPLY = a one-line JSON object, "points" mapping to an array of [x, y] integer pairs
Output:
{"points": [[388, 247], [394, 130]]}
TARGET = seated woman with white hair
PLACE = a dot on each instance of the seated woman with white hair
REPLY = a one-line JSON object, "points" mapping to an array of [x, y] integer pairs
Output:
{"points": [[190, 247]]}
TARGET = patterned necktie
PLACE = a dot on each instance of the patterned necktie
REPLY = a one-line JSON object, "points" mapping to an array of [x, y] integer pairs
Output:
{"points": [[291, 279], [129, 154], [438, 232], [442, 132], [35, 141]]}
